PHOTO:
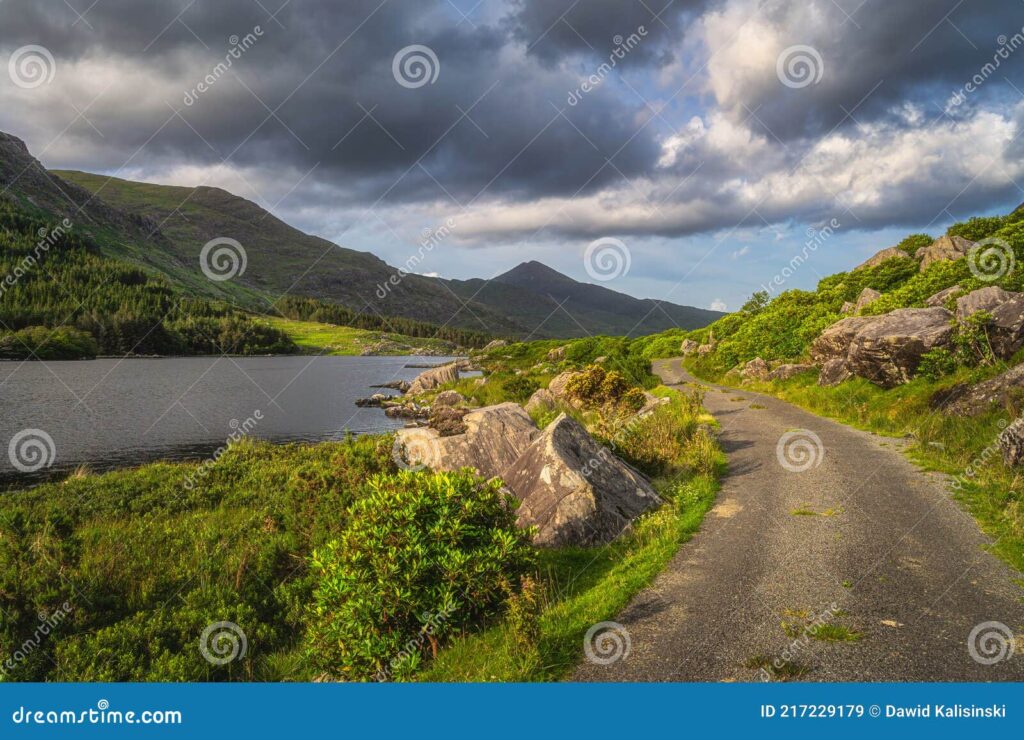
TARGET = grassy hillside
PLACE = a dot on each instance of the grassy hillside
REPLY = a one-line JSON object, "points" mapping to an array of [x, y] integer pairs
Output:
{"points": [[326, 339], [330, 560], [781, 329]]}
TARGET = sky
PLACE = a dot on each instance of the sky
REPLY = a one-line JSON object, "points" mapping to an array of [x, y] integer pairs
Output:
{"points": [[683, 150]]}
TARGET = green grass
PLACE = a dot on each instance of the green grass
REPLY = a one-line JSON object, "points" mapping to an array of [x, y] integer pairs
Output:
{"points": [[582, 587], [327, 339]]}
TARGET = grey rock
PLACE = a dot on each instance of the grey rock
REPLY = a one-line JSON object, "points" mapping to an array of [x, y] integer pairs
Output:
{"points": [[833, 372], [892, 253], [977, 399], [449, 398], [866, 296], [542, 399], [756, 369], [983, 299], [942, 249], [430, 379], [888, 350], [789, 370], [573, 490], [1006, 330], [835, 340], [940, 298], [558, 353], [1011, 443], [847, 307], [558, 383], [688, 347], [495, 437], [705, 349]]}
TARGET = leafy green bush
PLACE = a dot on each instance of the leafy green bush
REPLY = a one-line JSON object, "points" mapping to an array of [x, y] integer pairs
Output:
{"points": [[39, 342], [977, 227], [424, 555], [519, 388], [912, 243]]}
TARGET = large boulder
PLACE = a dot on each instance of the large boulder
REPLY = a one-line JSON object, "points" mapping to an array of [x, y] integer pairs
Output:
{"points": [[977, 399], [756, 369], [557, 354], [541, 400], [688, 347], [495, 437], [866, 296], [834, 371], [892, 253], [942, 249], [1006, 330], [940, 298], [449, 398], [787, 371], [888, 350], [558, 384], [983, 299], [835, 341], [434, 377], [573, 490], [705, 349]]}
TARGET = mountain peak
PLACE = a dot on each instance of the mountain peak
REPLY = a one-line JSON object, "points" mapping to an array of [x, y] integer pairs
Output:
{"points": [[532, 271]]}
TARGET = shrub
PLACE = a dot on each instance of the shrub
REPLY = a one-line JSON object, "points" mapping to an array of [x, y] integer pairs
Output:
{"points": [[912, 243], [519, 388], [937, 363], [424, 555], [977, 227]]}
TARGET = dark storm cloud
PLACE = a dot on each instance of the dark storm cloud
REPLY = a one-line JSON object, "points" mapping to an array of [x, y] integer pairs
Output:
{"points": [[877, 55], [325, 68]]}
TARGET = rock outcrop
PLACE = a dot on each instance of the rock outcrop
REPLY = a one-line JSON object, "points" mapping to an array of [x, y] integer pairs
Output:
{"points": [[847, 307], [495, 437], [1011, 444], [558, 353], [787, 371], [558, 383], [541, 400], [945, 248], [834, 371], [977, 399], [1006, 330], [573, 490], [892, 253], [888, 349], [940, 298], [688, 347], [983, 299], [866, 296], [705, 349], [449, 398], [430, 379], [835, 341], [756, 369]]}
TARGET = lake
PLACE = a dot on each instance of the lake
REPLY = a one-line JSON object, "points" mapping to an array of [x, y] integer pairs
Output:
{"points": [[113, 413]]}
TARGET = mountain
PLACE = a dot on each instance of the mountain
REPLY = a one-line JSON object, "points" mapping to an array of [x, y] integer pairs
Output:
{"points": [[556, 305], [164, 228]]}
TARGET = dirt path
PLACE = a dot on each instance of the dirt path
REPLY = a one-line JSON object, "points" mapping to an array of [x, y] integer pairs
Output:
{"points": [[860, 539]]}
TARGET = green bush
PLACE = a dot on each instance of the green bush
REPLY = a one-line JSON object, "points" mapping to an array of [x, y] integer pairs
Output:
{"points": [[40, 342], [424, 556], [519, 388], [977, 228]]}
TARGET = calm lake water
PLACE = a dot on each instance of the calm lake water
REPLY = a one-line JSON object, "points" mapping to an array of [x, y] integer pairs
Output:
{"points": [[116, 413]]}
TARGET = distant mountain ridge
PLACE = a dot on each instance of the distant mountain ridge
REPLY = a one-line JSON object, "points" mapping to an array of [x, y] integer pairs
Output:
{"points": [[164, 228]]}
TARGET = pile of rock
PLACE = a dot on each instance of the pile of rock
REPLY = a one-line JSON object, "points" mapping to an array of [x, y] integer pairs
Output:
{"points": [[433, 378], [945, 248], [573, 490]]}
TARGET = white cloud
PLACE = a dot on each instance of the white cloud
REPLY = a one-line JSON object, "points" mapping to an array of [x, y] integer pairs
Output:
{"points": [[718, 305]]}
